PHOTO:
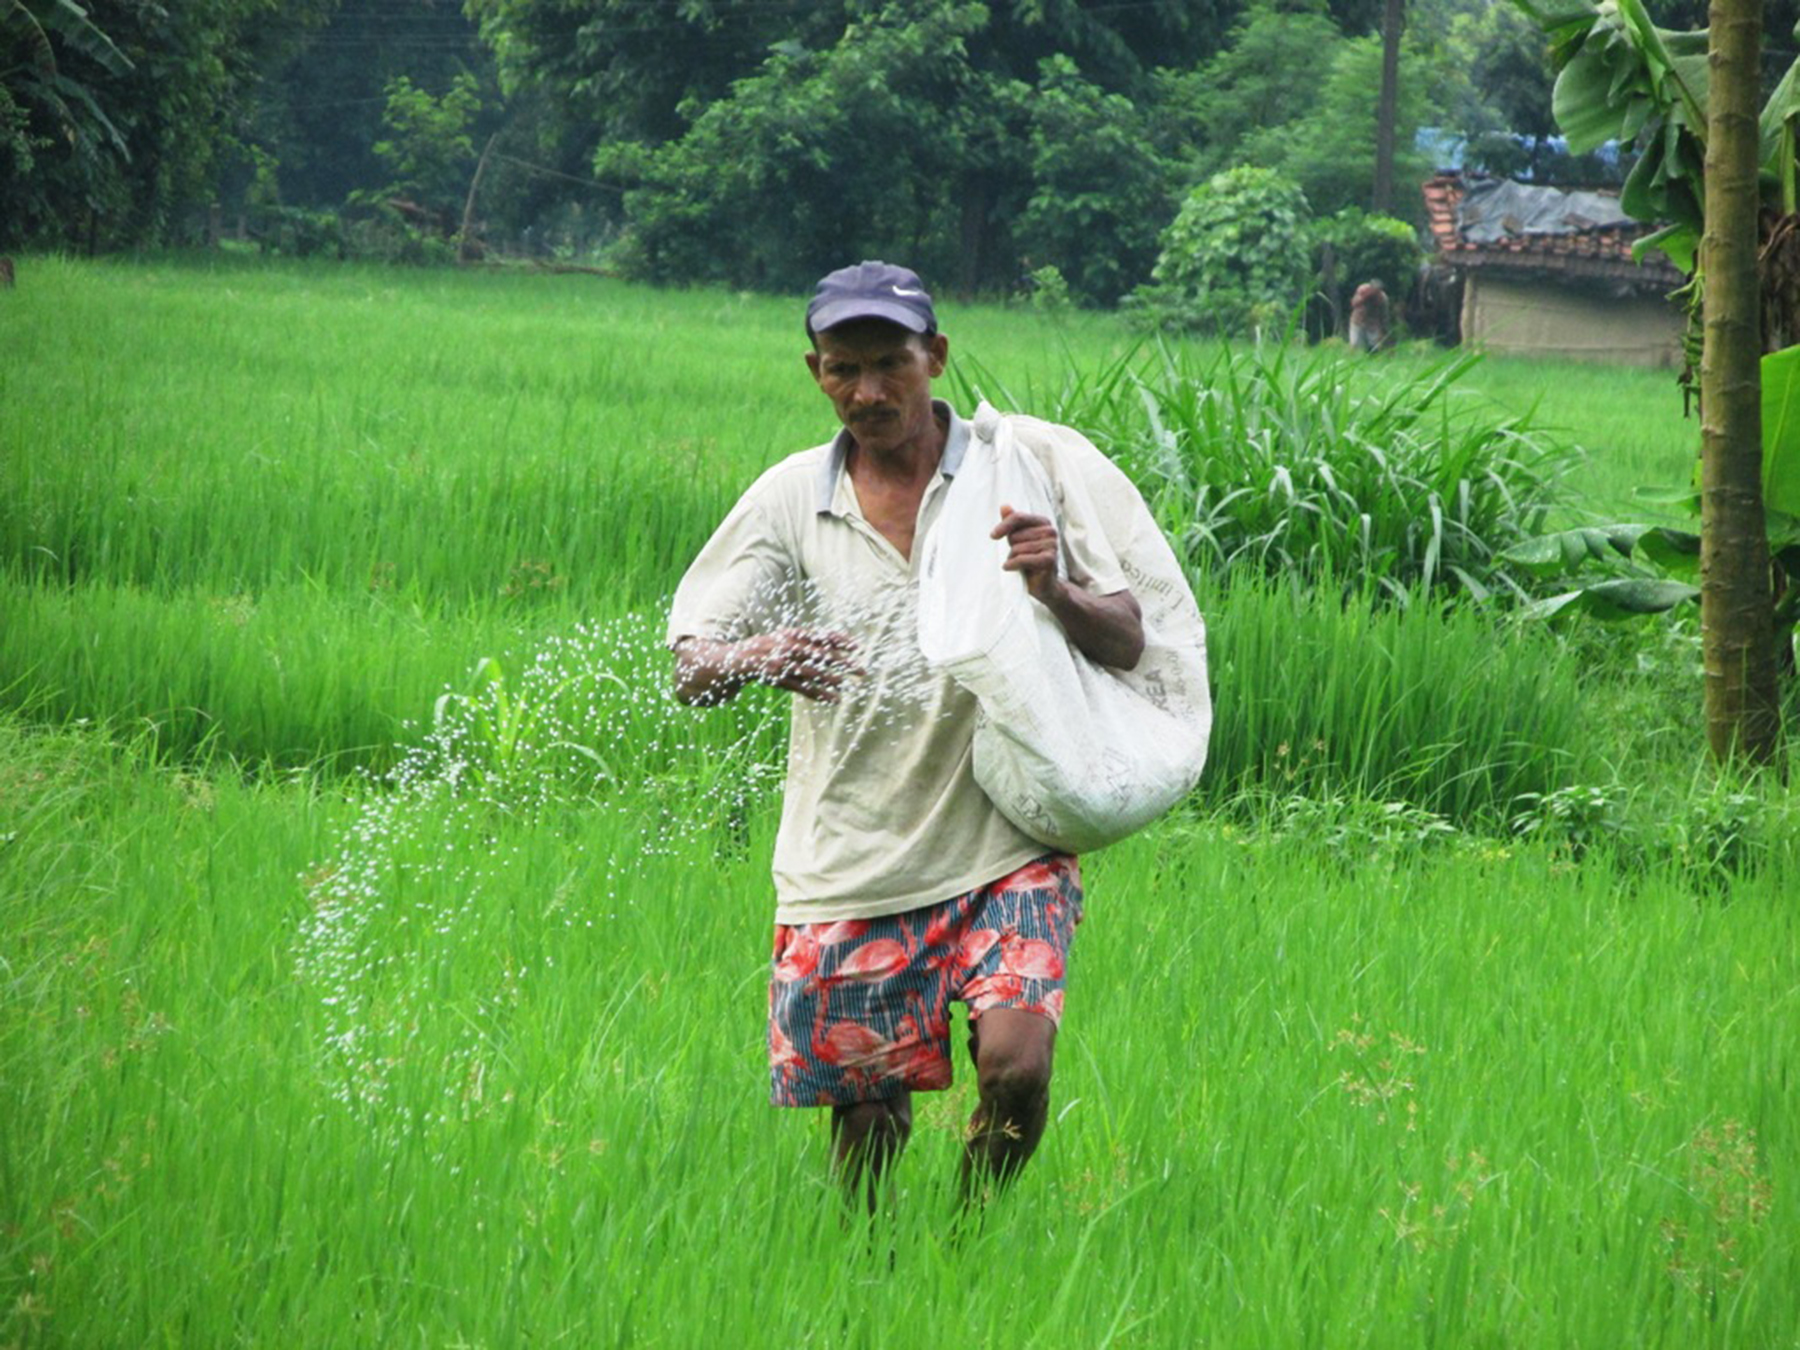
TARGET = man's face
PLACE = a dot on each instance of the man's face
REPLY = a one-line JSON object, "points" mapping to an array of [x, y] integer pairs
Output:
{"points": [[878, 377]]}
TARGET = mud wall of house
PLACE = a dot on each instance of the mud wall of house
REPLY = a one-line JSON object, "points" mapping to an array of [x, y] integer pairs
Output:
{"points": [[1565, 318]]}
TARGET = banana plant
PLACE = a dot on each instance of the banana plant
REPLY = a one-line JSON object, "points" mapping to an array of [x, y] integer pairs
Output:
{"points": [[1645, 569], [29, 67], [1621, 78]]}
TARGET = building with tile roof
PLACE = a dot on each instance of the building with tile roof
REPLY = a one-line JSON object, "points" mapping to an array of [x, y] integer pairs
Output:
{"points": [[1548, 272]]}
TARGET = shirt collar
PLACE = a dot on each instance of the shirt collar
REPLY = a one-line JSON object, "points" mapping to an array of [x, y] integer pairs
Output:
{"points": [[831, 469]]}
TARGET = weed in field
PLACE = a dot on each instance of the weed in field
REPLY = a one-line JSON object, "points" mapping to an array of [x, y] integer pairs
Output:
{"points": [[1424, 1221], [1380, 1075], [1717, 831], [1573, 818], [1344, 829], [1713, 1246], [1720, 831]]}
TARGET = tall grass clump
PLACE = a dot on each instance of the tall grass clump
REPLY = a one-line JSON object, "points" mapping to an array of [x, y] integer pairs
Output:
{"points": [[1336, 518], [1273, 460]]}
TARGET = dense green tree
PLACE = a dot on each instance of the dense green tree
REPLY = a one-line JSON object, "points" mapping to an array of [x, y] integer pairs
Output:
{"points": [[1330, 150], [888, 143], [634, 71], [1245, 106], [323, 80], [172, 114], [626, 69], [1497, 98], [693, 108], [1100, 193], [51, 125], [1248, 88]]}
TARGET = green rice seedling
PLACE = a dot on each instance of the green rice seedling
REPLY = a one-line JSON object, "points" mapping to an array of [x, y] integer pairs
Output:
{"points": [[295, 676], [450, 437], [476, 1056], [284, 431], [1458, 1095], [280, 509], [1319, 696], [587, 730]]}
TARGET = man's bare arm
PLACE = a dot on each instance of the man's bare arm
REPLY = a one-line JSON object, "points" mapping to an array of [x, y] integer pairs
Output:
{"points": [[815, 665], [1108, 629]]}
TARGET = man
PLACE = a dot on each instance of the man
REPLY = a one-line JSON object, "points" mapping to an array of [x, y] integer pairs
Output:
{"points": [[1369, 318], [899, 886]]}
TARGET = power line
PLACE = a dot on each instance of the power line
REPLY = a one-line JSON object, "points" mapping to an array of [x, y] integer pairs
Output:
{"points": [[548, 172]]}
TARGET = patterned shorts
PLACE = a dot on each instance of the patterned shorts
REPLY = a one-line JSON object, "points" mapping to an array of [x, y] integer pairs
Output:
{"points": [[859, 1009]]}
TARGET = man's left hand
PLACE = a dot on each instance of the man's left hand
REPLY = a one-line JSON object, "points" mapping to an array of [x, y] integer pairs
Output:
{"points": [[1034, 548], [1107, 628]]}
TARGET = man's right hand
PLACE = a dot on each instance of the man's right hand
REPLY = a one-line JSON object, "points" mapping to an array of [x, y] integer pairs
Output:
{"points": [[814, 665]]}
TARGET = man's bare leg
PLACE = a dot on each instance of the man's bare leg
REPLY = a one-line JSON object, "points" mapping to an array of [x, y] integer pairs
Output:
{"points": [[1013, 1051], [865, 1139]]}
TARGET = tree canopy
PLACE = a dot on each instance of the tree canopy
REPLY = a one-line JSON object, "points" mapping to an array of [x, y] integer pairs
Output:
{"points": [[752, 142]]}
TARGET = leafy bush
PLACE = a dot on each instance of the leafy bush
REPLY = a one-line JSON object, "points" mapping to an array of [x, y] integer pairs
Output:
{"points": [[1235, 259], [385, 234], [1099, 192], [1278, 461], [298, 232], [1049, 293], [1709, 834]]}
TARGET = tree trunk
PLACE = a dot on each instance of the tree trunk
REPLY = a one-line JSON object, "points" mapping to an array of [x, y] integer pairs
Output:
{"points": [[1742, 712], [973, 232], [1393, 24]]}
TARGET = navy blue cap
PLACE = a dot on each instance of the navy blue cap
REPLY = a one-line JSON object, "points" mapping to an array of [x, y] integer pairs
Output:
{"points": [[871, 290]]}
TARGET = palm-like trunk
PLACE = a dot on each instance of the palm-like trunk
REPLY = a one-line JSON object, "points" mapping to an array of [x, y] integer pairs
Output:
{"points": [[1742, 714]]}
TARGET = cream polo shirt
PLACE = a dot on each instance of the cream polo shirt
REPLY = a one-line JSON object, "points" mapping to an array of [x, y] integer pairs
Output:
{"points": [[881, 812]]}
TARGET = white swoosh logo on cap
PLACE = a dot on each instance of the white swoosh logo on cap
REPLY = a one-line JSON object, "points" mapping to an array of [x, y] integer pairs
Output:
{"points": [[899, 291]]}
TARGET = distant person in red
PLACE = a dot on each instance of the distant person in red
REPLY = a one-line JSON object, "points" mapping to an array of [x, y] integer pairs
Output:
{"points": [[1369, 317]]}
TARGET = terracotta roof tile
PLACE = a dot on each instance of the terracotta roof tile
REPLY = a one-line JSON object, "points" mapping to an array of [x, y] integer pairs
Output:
{"points": [[1601, 253]]}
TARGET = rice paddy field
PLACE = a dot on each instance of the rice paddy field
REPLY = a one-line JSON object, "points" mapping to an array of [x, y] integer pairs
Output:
{"points": [[383, 953]]}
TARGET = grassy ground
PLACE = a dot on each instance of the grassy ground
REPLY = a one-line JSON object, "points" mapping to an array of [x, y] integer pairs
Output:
{"points": [[290, 1056], [1382, 1094]]}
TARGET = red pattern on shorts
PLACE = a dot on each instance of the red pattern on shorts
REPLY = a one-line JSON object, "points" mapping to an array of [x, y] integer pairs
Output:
{"points": [[859, 1009]]}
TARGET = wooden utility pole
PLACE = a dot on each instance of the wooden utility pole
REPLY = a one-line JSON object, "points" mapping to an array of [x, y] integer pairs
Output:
{"points": [[468, 215], [1743, 716]]}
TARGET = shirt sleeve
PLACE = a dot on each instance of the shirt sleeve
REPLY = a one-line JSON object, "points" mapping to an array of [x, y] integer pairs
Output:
{"points": [[744, 581]]}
